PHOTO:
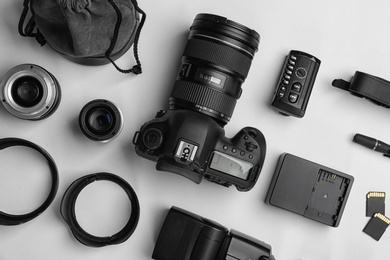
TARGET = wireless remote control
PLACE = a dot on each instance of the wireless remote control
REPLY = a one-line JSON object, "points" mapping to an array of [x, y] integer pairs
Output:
{"points": [[295, 83]]}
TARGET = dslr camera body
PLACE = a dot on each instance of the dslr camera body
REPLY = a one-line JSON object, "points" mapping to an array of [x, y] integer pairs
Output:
{"points": [[189, 139], [194, 146]]}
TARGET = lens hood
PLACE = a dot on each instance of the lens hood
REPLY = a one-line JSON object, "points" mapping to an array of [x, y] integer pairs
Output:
{"points": [[30, 92], [68, 204], [11, 220]]}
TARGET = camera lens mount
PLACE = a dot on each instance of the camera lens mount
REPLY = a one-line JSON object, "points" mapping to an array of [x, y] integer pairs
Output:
{"points": [[30, 92], [68, 205], [100, 120], [11, 220]]}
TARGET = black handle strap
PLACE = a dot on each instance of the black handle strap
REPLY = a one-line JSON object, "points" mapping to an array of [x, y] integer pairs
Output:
{"points": [[367, 86]]}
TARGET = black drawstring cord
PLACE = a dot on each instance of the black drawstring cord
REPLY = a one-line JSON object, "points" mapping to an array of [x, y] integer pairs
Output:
{"points": [[23, 18], [28, 30], [137, 69]]}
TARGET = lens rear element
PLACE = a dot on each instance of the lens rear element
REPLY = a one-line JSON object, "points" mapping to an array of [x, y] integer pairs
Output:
{"points": [[30, 92], [27, 91]]}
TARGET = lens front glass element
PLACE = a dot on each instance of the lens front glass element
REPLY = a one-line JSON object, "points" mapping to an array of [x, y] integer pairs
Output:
{"points": [[100, 120]]}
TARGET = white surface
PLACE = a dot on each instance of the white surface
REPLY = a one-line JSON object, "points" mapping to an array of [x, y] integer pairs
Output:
{"points": [[346, 35]]}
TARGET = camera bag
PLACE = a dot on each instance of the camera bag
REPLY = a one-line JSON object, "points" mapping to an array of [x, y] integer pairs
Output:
{"points": [[88, 32]]}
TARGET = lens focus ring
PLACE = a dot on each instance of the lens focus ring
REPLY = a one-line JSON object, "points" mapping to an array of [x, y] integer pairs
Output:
{"points": [[205, 98], [222, 55]]}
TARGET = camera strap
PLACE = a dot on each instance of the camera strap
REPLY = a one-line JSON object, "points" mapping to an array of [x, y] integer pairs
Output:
{"points": [[367, 86]]}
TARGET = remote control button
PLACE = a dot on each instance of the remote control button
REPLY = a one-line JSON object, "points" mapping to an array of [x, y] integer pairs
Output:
{"points": [[296, 87], [288, 72], [293, 98], [293, 57], [283, 88], [290, 67], [285, 82], [287, 77], [234, 150], [280, 94], [291, 62], [301, 73]]}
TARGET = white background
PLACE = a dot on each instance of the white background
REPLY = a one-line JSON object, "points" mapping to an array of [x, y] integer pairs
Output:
{"points": [[345, 35]]}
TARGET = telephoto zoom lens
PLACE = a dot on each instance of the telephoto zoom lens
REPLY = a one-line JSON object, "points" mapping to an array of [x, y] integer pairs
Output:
{"points": [[30, 92], [215, 63], [100, 120]]}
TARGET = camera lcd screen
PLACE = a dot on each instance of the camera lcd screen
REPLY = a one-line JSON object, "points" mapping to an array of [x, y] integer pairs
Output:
{"points": [[230, 165]]}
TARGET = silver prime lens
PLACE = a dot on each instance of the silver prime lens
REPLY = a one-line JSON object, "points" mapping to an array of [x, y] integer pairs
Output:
{"points": [[100, 120], [30, 92]]}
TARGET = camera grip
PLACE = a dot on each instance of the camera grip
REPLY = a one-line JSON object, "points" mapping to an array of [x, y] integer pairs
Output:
{"points": [[163, 165]]}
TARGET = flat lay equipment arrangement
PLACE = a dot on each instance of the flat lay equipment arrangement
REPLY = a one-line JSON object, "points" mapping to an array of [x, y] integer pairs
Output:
{"points": [[194, 130]]}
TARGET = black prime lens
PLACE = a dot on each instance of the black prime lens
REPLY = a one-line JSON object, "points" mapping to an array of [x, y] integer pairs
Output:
{"points": [[100, 120], [215, 63], [30, 92]]}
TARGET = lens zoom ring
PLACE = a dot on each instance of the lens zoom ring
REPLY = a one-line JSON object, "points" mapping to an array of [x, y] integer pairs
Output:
{"points": [[219, 54], [204, 96]]}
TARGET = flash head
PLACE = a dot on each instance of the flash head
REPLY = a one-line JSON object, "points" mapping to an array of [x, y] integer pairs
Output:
{"points": [[185, 236]]}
